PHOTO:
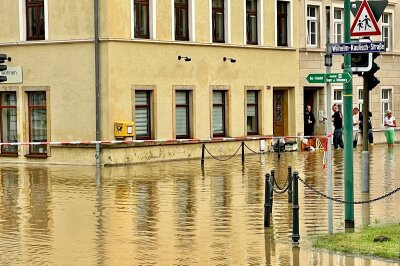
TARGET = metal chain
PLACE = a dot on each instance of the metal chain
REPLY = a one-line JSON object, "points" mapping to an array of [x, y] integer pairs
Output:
{"points": [[278, 185], [349, 202], [222, 160], [253, 151], [279, 190]]}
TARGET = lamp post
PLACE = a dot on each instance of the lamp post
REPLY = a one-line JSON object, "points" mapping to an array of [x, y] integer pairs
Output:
{"points": [[328, 65]]}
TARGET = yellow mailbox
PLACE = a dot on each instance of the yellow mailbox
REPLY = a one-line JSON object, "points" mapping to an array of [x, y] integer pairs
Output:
{"points": [[124, 129]]}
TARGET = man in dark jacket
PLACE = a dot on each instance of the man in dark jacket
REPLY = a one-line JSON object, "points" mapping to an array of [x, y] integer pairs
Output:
{"points": [[337, 119], [309, 122]]}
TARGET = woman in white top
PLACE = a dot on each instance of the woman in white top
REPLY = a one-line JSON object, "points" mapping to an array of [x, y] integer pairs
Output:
{"points": [[390, 123]]}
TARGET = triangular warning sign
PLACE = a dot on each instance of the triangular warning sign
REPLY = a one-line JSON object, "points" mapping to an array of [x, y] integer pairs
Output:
{"points": [[364, 23]]}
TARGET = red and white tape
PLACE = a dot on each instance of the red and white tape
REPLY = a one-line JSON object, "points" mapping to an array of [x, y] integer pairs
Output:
{"points": [[155, 140]]}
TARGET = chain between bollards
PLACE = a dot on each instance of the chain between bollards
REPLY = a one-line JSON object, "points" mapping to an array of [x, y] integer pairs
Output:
{"points": [[266, 201], [295, 230]]}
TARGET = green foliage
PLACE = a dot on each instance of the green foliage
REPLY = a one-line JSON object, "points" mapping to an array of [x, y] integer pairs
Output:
{"points": [[362, 243]]}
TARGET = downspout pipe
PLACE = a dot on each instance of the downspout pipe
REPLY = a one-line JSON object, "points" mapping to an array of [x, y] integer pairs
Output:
{"points": [[97, 78]]}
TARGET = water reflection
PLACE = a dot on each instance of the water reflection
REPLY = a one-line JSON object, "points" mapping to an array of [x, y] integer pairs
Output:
{"points": [[178, 213]]}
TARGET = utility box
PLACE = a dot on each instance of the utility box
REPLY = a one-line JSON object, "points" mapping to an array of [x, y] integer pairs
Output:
{"points": [[124, 129]]}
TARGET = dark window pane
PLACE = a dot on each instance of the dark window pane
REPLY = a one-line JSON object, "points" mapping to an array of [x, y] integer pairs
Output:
{"points": [[35, 28], [143, 114], [8, 119], [218, 3], [218, 113], [251, 5], [218, 21], [142, 19], [181, 20], [282, 24], [182, 118], [252, 112]]}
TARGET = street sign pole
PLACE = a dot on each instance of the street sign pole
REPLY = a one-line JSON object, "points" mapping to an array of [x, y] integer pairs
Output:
{"points": [[348, 127], [329, 121]]}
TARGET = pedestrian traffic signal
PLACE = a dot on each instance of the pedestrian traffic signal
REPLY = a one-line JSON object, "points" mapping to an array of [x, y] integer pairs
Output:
{"points": [[360, 62], [3, 58], [372, 81]]}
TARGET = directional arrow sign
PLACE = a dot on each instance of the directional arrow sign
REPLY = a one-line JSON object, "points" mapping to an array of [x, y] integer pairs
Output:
{"points": [[337, 78], [329, 78], [316, 78]]}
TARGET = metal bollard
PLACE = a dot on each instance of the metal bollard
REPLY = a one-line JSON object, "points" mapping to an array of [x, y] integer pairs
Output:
{"points": [[266, 202], [271, 194], [290, 192], [242, 151], [295, 230], [203, 147], [279, 149]]}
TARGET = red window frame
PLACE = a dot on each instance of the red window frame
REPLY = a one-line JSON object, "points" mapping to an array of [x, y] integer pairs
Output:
{"points": [[37, 107], [1, 124]]}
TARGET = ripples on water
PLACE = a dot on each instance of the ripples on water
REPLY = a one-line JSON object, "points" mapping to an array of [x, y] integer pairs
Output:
{"points": [[177, 213]]}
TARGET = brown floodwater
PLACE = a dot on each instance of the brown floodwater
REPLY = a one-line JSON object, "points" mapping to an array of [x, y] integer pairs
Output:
{"points": [[176, 213]]}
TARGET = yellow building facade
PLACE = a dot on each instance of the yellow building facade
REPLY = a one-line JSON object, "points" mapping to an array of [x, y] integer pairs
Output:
{"points": [[179, 69], [55, 98]]}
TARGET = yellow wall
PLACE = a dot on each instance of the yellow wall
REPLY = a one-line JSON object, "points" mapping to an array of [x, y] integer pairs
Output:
{"points": [[9, 21], [157, 65]]}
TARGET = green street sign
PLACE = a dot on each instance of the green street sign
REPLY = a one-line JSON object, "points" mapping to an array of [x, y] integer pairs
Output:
{"points": [[329, 78], [316, 78]]}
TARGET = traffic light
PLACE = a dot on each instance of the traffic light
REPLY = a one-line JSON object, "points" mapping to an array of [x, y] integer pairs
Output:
{"points": [[371, 79], [360, 62], [3, 58]]}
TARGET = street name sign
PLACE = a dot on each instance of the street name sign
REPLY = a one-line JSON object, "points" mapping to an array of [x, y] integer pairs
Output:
{"points": [[364, 23], [358, 47], [329, 78]]}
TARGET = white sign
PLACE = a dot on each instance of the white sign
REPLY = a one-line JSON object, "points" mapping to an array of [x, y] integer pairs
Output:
{"points": [[13, 74], [364, 23]]}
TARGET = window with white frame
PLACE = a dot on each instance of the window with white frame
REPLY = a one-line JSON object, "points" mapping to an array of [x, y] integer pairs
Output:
{"points": [[338, 25], [338, 98], [387, 30], [386, 102], [312, 25]]}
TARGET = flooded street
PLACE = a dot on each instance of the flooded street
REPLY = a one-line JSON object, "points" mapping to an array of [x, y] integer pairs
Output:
{"points": [[176, 213]]}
